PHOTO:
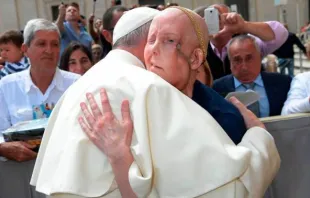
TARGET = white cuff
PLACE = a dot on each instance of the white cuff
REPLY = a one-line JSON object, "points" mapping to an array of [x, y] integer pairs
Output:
{"points": [[262, 133], [139, 184]]}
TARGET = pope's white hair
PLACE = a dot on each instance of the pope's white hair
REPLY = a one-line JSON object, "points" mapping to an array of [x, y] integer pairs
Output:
{"points": [[134, 37], [35, 25]]}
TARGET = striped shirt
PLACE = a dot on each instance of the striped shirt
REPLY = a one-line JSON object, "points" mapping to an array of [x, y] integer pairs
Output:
{"points": [[10, 68]]}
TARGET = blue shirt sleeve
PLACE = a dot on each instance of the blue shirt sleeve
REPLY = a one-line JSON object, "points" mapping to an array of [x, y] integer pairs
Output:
{"points": [[232, 123]]}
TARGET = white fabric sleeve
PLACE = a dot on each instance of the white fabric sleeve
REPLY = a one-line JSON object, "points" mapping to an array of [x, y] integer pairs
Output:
{"points": [[264, 162]]}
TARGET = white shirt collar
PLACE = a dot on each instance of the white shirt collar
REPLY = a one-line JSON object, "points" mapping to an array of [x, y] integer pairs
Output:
{"points": [[257, 81], [56, 82]]}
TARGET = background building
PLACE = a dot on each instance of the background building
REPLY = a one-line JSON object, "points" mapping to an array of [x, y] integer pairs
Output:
{"points": [[14, 14]]}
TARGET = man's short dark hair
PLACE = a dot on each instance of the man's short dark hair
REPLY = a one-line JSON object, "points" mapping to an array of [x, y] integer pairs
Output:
{"points": [[75, 5], [13, 36], [107, 19]]}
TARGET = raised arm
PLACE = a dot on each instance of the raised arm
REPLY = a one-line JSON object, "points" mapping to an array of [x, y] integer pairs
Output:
{"points": [[261, 30], [91, 28], [61, 18], [269, 46], [269, 35]]}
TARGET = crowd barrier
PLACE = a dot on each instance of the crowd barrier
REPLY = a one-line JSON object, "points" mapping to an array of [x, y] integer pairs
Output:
{"points": [[15, 179], [292, 137]]}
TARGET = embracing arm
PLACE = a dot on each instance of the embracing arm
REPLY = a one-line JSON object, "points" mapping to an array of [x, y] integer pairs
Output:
{"points": [[264, 161], [112, 137]]}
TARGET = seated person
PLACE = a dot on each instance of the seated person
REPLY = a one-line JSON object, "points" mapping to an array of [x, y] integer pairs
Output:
{"points": [[246, 75], [76, 58], [298, 98], [269, 36], [41, 85], [12, 53]]}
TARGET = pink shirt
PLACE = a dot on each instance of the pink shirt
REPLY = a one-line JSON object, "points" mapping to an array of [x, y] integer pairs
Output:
{"points": [[266, 47]]}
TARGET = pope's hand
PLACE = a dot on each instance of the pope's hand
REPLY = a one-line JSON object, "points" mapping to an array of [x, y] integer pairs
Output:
{"points": [[249, 117], [233, 23], [111, 136]]}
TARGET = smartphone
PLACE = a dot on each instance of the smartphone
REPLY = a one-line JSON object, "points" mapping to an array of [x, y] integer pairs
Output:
{"points": [[212, 19]]}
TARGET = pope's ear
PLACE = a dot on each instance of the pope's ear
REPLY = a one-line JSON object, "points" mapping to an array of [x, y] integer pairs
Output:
{"points": [[197, 58]]}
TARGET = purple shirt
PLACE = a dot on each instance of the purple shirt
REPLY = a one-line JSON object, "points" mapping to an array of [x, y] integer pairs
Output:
{"points": [[266, 47]]}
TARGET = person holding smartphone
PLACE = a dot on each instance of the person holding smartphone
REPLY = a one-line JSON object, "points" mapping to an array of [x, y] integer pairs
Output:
{"points": [[69, 25], [268, 35]]}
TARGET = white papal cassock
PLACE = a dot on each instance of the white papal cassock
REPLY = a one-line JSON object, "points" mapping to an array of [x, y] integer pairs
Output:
{"points": [[179, 149]]}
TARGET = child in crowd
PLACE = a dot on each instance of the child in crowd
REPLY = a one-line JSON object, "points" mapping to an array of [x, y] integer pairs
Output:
{"points": [[12, 53]]}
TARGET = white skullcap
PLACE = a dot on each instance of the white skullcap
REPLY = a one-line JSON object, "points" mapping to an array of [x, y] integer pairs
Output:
{"points": [[132, 20]]}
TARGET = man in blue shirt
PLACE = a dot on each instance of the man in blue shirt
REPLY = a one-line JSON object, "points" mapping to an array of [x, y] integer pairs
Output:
{"points": [[70, 27], [246, 75]]}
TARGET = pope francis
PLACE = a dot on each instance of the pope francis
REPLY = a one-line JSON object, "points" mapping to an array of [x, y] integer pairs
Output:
{"points": [[179, 150]]}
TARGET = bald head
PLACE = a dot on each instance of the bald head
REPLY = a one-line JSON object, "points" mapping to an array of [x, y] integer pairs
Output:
{"points": [[188, 22], [176, 46]]}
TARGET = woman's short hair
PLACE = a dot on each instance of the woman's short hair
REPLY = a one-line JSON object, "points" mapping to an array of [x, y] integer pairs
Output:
{"points": [[72, 47]]}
